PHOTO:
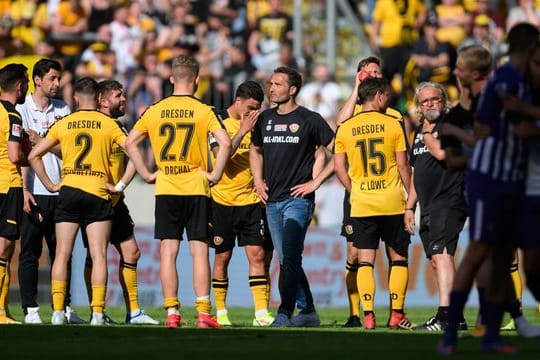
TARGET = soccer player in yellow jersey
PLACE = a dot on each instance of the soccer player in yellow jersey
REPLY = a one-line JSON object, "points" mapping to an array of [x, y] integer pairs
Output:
{"points": [[112, 102], [13, 87], [367, 67], [178, 128], [372, 146], [86, 138], [237, 211]]}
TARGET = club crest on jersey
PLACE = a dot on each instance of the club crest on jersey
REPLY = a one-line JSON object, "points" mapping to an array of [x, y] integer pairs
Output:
{"points": [[16, 130], [218, 240], [294, 127]]}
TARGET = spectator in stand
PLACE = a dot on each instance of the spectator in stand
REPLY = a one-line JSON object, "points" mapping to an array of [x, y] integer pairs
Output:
{"points": [[482, 35], [70, 24], [496, 20], [237, 70], [265, 39], [321, 95], [431, 56], [125, 43], [526, 11], [454, 22], [101, 12], [394, 29], [98, 62]]}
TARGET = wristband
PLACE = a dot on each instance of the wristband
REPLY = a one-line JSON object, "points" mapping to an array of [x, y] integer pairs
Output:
{"points": [[427, 132], [412, 209], [120, 186]]}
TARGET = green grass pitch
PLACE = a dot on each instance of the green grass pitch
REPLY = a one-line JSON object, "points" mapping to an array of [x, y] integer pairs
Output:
{"points": [[329, 342]]}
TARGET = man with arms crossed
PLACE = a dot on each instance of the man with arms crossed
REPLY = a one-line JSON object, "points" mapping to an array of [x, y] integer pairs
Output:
{"points": [[178, 128]]}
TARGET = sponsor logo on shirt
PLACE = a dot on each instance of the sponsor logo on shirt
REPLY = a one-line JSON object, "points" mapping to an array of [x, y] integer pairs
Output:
{"points": [[280, 127], [16, 130]]}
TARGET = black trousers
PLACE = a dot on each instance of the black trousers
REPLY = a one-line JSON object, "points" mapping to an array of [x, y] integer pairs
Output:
{"points": [[32, 236]]}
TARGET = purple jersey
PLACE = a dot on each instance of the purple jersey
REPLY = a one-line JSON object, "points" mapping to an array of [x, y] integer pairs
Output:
{"points": [[501, 155]]}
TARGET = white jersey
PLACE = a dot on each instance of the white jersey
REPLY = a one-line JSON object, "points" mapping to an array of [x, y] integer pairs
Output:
{"points": [[40, 121]]}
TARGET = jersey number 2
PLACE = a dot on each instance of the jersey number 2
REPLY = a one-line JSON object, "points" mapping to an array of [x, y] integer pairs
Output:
{"points": [[85, 142]]}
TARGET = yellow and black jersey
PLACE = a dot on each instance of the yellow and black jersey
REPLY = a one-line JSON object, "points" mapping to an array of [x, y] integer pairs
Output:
{"points": [[11, 129], [389, 111], [370, 140], [398, 21], [236, 185], [86, 138], [178, 128], [117, 164]]}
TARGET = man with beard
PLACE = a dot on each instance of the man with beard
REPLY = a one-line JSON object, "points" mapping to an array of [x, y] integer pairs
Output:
{"points": [[40, 111], [13, 86], [440, 193], [112, 102], [282, 156]]}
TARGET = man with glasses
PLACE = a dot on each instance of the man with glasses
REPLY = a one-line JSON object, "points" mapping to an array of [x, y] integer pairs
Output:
{"points": [[440, 194]]}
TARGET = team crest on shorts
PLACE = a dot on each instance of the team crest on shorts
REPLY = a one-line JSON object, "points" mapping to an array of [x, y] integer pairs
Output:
{"points": [[294, 127], [218, 240], [348, 229]]}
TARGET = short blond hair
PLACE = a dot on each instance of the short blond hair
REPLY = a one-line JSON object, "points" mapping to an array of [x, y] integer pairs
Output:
{"points": [[185, 68]]}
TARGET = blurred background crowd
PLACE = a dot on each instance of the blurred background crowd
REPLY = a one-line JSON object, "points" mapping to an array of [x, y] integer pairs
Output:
{"points": [[235, 40]]}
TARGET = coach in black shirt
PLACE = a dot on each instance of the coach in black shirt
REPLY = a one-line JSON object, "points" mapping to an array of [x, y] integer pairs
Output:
{"points": [[284, 142]]}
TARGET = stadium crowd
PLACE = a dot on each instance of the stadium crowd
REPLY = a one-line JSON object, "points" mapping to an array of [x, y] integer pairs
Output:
{"points": [[413, 106]]}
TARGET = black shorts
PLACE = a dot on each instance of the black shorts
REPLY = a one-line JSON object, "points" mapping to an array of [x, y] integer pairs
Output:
{"points": [[174, 213], [347, 228], [440, 229], [122, 225], [77, 206], [390, 229], [11, 205], [245, 223]]}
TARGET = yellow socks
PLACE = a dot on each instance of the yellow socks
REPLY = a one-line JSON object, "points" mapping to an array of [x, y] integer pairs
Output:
{"points": [[351, 272], [220, 288], [258, 285], [127, 274], [58, 293], [516, 279], [397, 283], [5, 280], [203, 305], [366, 285], [98, 298]]}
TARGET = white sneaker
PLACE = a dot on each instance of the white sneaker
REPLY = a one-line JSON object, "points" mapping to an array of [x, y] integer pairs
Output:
{"points": [[141, 318], [97, 319], [525, 328], [58, 318], [32, 316], [72, 317]]}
